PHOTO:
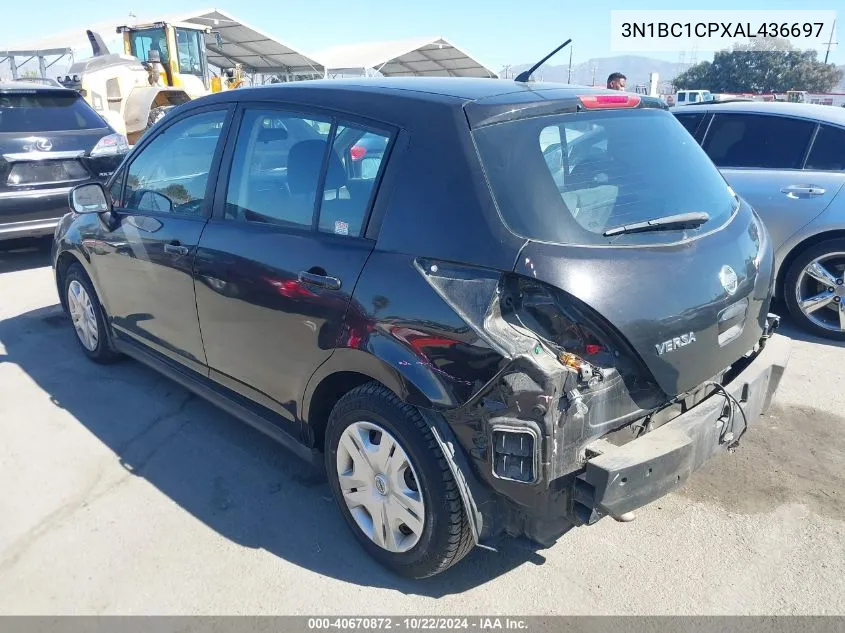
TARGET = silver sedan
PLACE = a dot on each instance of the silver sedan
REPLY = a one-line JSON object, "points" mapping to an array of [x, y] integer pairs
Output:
{"points": [[788, 161]]}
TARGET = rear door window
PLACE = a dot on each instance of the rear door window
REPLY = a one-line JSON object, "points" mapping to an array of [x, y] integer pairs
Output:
{"points": [[828, 152], [754, 140], [46, 111], [355, 162], [276, 168], [568, 178]]}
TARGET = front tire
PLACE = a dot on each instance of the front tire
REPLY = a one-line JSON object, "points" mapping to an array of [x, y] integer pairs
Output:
{"points": [[87, 316], [814, 291], [393, 484]]}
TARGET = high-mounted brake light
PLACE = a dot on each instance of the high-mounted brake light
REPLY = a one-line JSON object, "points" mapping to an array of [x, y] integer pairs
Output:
{"points": [[358, 152], [597, 102]]}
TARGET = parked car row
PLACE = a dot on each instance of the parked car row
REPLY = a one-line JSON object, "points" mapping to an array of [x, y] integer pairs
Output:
{"points": [[487, 308]]}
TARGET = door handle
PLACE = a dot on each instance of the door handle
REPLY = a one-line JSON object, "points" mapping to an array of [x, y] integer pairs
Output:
{"points": [[175, 248], [321, 281], [793, 191]]}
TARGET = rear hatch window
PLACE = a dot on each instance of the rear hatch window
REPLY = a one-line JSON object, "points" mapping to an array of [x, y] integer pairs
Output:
{"points": [[568, 178], [46, 111]]}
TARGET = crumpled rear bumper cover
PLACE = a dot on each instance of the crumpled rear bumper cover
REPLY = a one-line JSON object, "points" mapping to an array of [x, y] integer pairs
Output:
{"points": [[623, 478]]}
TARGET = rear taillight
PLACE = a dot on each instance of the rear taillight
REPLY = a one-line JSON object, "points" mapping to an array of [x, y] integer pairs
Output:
{"points": [[598, 102], [357, 152], [111, 145]]}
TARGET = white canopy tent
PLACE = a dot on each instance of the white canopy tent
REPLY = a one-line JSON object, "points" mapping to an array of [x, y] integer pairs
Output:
{"points": [[233, 41], [230, 41], [423, 57]]}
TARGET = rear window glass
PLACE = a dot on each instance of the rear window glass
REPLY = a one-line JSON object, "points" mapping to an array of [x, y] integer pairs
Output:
{"points": [[756, 140], [690, 121], [568, 178], [828, 153], [46, 112]]}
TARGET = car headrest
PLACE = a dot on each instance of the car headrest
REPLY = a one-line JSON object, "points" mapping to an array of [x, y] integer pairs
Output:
{"points": [[305, 161], [269, 134]]}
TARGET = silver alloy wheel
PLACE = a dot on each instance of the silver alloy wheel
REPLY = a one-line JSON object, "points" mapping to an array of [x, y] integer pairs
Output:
{"points": [[82, 314], [820, 292], [379, 486]]}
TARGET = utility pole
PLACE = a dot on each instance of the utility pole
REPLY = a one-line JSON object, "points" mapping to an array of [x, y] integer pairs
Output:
{"points": [[569, 75], [594, 76], [830, 42], [505, 70]]}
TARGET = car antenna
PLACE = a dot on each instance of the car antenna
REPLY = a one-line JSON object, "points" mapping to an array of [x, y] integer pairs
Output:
{"points": [[525, 75]]}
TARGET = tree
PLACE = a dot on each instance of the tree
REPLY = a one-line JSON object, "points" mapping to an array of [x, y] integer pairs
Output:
{"points": [[761, 66]]}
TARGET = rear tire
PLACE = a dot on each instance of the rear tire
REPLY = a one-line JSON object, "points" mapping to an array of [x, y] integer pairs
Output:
{"points": [[427, 544], [826, 262], [87, 316]]}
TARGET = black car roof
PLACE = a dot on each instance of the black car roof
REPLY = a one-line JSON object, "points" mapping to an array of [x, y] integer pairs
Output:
{"points": [[426, 88], [389, 99]]}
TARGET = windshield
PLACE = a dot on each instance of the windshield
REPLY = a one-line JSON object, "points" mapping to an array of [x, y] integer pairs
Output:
{"points": [[46, 112], [145, 40], [568, 178]]}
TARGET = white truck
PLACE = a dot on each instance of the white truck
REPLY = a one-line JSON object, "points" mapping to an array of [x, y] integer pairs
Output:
{"points": [[685, 97]]}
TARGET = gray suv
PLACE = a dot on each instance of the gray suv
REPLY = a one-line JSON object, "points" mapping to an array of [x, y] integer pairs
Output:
{"points": [[788, 161]]}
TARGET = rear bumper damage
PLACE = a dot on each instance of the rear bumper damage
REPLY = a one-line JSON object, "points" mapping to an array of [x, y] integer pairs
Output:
{"points": [[619, 479], [559, 469]]}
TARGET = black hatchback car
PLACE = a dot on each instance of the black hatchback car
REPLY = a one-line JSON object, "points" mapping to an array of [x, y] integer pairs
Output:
{"points": [[50, 140], [474, 338]]}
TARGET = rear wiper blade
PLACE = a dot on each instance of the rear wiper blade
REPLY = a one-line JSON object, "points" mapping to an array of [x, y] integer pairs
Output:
{"points": [[691, 220]]}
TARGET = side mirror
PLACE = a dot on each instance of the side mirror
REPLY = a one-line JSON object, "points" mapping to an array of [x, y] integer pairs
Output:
{"points": [[154, 201], [89, 198]]}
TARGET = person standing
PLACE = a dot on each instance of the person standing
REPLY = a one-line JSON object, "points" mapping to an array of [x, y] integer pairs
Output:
{"points": [[616, 81]]}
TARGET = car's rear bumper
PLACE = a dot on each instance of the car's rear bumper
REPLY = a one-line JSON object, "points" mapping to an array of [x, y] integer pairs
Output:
{"points": [[620, 479], [32, 213], [619, 471]]}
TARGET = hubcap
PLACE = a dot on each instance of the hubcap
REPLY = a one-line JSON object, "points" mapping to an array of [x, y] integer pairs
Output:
{"points": [[820, 291], [379, 486], [82, 314]]}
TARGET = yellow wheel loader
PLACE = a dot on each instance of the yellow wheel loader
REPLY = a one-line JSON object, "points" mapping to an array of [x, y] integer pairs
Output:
{"points": [[162, 65]]}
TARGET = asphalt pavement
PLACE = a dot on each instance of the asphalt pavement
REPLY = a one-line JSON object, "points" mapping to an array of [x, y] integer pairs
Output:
{"points": [[121, 493]]}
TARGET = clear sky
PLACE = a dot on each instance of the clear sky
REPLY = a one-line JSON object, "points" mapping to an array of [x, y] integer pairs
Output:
{"points": [[498, 32]]}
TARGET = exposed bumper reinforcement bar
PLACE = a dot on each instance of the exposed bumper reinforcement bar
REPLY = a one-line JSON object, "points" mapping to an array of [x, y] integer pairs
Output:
{"points": [[623, 478]]}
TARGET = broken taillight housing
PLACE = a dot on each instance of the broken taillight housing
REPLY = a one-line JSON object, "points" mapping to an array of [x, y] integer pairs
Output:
{"points": [[517, 315], [544, 310], [523, 317]]}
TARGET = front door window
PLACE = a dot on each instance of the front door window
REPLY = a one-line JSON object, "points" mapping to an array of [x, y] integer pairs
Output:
{"points": [[170, 175]]}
